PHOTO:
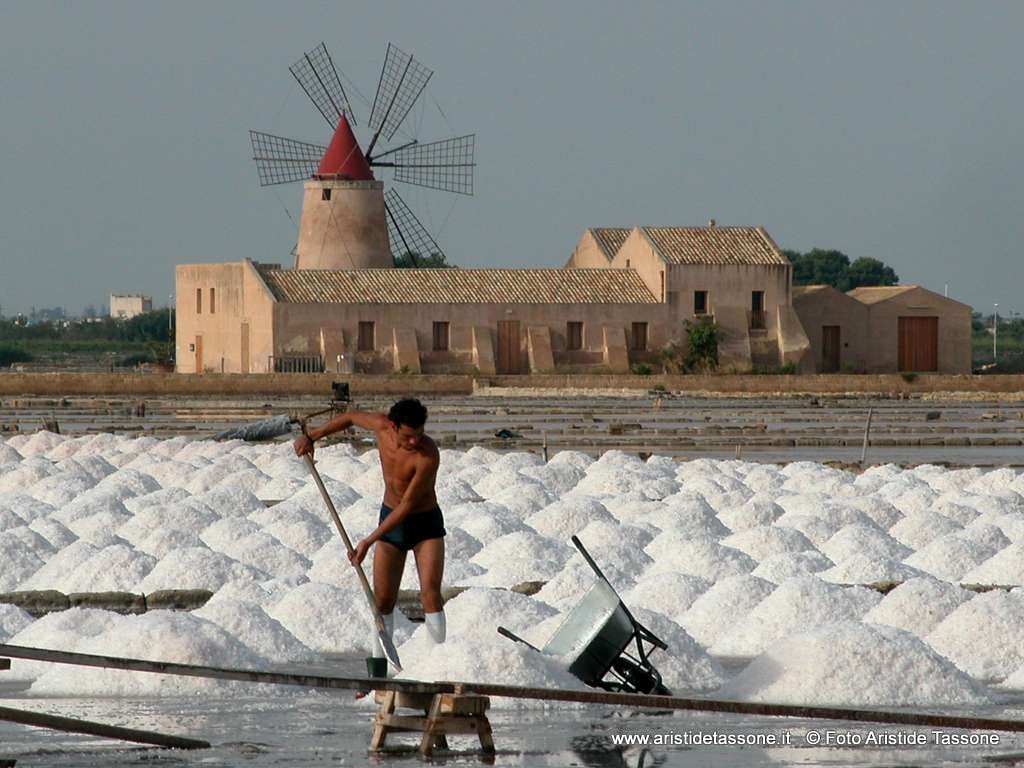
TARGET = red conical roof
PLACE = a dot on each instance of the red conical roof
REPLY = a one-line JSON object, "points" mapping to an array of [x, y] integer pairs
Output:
{"points": [[343, 158]]}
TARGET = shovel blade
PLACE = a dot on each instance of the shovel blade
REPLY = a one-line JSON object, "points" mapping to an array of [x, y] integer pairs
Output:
{"points": [[389, 649]]}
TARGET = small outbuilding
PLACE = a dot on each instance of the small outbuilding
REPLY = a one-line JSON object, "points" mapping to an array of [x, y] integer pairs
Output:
{"points": [[912, 329], [885, 329], [836, 326]]}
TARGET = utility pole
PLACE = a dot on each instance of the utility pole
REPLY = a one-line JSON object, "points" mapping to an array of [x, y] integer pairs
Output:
{"points": [[995, 332]]}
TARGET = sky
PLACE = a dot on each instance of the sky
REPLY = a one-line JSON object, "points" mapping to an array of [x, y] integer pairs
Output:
{"points": [[890, 130]]}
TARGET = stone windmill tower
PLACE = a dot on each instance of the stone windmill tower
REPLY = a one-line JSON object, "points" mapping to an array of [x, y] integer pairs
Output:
{"points": [[349, 221]]}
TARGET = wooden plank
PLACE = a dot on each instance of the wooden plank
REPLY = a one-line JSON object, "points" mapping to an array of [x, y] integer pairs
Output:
{"points": [[72, 725], [220, 673], [587, 696], [5, 664]]}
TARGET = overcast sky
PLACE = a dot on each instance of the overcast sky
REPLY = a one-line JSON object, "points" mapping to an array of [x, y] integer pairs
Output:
{"points": [[893, 130]]}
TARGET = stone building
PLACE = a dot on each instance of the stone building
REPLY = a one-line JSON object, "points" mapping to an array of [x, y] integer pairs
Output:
{"points": [[884, 330], [254, 318], [624, 295], [734, 275], [128, 306]]}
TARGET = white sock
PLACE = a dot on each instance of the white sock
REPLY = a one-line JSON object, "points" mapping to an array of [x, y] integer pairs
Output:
{"points": [[389, 629], [435, 626]]}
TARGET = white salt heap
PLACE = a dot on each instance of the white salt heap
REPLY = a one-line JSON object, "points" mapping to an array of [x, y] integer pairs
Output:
{"points": [[797, 604], [984, 636], [918, 605], [838, 664], [730, 556]]}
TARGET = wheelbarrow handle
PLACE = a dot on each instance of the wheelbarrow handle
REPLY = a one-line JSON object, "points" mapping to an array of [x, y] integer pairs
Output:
{"points": [[516, 638]]}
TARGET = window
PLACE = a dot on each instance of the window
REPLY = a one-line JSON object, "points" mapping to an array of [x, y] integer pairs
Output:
{"points": [[441, 336], [574, 336], [199, 301], [638, 341], [700, 302], [325, 194], [366, 337], [213, 303]]}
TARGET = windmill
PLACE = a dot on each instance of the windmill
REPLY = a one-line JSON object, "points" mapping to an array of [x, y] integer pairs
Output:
{"points": [[348, 220]]}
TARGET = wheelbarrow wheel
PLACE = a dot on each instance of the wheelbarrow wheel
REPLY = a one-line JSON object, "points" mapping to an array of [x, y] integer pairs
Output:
{"points": [[639, 679]]}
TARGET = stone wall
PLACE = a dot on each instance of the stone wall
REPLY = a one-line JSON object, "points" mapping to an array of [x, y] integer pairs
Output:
{"points": [[57, 384]]}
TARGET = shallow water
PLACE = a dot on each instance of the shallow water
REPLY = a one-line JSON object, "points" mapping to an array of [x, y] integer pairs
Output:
{"points": [[321, 729]]}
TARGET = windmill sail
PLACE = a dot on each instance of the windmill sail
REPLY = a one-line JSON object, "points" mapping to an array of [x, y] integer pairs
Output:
{"points": [[280, 160], [409, 238], [316, 73], [446, 165], [402, 80]]}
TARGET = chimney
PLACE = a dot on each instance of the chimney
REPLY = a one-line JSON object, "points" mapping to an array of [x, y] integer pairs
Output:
{"points": [[711, 222]]}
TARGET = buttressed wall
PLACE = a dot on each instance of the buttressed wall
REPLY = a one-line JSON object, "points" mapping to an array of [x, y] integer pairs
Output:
{"points": [[223, 318], [343, 226]]}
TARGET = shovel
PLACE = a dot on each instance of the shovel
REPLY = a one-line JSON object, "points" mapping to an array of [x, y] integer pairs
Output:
{"points": [[386, 642]]}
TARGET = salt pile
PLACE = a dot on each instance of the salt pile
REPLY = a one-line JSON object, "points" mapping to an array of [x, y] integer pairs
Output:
{"points": [[838, 664], [671, 594], [249, 624], [328, 619], [918, 605], [949, 557], [12, 621], [712, 549], [778, 568], [167, 635], [704, 557], [727, 601], [998, 618], [795, 605]]}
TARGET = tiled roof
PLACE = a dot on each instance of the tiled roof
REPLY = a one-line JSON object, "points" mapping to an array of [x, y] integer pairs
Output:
{"points": [[875, 294], [715, 245], [803, 290], [610, 239], [457, 286]]}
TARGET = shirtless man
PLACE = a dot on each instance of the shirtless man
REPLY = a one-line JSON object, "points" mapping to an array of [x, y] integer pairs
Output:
{"points": [[409, 517]]}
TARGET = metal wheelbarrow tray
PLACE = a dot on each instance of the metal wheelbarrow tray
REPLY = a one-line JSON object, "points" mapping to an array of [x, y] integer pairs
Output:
{"points": [[594, 637]]}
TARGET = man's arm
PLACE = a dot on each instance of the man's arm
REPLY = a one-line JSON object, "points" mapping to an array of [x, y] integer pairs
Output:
{"points": [[374, 422]]}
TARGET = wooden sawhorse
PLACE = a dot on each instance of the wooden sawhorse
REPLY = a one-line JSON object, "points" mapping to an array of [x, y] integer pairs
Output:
{"points": [[443, 713]]}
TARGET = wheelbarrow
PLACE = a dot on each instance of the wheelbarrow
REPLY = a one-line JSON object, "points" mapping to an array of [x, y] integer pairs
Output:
{"points": [[595, 636]]}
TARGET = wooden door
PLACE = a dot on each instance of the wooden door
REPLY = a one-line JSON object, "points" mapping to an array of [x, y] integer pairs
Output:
{"points": [[508, 346], [245, 348], [919, 344], [830, 348], [199, 354]]}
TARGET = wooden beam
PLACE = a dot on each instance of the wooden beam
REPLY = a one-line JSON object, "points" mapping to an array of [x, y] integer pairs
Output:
{"points": [[221, 673], [71, 725], [518, 692]]}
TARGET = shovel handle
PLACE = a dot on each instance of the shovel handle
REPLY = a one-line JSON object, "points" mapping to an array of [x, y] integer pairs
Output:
{"points": [[378, 620]]}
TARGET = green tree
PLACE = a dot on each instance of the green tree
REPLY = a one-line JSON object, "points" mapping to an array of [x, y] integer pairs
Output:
{"points": [[821, 266], [868, 271], [433, 260]]}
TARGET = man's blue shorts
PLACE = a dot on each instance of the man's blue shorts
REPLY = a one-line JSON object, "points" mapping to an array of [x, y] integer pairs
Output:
{"points": [[417, 527]]}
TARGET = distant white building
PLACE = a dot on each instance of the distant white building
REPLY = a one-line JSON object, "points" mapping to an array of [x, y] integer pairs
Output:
{"points": [[126, 307]]}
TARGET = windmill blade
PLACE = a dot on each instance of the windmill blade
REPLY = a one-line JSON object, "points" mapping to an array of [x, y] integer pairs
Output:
{"points": [[446, 165], [407, 235], [316, 73], [280, 160], [402, 80]]}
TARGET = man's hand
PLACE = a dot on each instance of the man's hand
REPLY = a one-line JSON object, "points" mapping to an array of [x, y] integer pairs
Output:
{"points": [[303, 445], [359, 553]]}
